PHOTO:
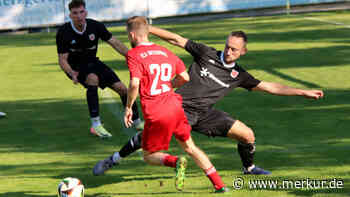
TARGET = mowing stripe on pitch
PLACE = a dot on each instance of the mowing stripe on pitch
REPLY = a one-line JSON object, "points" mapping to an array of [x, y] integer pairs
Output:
{"points": [[327, 21]]}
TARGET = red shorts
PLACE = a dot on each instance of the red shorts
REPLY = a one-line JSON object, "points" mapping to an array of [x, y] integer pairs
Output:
{"points": [[167, 118]]}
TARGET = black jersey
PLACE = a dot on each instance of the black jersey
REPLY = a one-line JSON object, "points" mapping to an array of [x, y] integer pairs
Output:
{"points": [[81, 46], [210, 78]]}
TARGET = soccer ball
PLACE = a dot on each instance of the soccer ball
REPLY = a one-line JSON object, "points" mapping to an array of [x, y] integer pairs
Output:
{"points": [[70, 187]]}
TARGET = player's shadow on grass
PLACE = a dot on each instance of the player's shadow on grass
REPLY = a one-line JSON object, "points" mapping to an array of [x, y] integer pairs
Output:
{"points": [[31, 194], [25, 194], [146, 193]]}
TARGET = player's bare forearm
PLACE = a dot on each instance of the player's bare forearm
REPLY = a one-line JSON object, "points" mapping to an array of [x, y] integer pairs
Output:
{"points": [[133, 91], [118, 46], [283, 90], [180, 80], [168, 36], [63, 62]]}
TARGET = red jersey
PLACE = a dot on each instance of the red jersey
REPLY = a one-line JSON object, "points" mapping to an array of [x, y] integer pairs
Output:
{"points": [[155, 66]]}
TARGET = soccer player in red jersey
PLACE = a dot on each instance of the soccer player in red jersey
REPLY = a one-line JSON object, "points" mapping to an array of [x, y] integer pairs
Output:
{"points": [[154, 72]]}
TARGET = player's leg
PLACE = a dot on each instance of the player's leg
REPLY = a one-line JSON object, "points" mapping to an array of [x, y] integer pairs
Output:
{"points": [[131, 146], [164, 159], [134, 143], [215, 123], [183, 136], [202, 160], [246, 147], [92, 82]]}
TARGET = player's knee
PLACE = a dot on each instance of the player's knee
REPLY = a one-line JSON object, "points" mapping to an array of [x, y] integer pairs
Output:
{"points": [[92, 80], [241, 132], [147, 159], [249, 136]]}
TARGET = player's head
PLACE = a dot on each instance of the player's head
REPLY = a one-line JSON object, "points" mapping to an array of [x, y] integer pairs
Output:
{"points": [[78, 12], [235, 46], [137, 28]]}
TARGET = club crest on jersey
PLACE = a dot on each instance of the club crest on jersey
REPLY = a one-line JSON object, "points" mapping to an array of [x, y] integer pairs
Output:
{"points": [[92, 37], [234, 73]]}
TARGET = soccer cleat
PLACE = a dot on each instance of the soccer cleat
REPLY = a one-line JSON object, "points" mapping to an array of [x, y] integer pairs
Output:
{"points": [[100, 131], [139, 124], [180, 170], [2, 114], [102, 166], [222, 190], [256, 171]]}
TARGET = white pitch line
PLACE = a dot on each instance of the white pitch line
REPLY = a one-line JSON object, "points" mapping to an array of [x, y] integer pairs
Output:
{"points": [[327, 21]]}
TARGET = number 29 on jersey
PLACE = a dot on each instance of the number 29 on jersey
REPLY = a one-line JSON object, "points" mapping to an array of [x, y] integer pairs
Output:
{"points": [[162, 74]]}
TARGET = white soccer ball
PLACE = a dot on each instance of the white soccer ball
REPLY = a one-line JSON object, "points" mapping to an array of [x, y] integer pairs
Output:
{"points": [[70, 187]]}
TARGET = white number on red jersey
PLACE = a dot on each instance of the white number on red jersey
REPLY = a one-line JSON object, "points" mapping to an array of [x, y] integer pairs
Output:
{"points": [[163, 74]]}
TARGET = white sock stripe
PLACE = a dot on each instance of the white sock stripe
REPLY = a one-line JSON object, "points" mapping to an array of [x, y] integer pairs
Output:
{"points": [[116, 157], [210, 171], [132, 143]]}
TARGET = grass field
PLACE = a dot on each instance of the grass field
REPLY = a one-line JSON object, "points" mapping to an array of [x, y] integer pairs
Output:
{"points": [[45, 136]]}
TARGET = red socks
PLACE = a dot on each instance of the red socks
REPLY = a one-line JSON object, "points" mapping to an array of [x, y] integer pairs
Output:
{"points": [[169, 161], [214, 178]]}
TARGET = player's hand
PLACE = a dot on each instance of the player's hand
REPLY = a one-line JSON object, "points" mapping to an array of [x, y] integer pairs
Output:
{"points": [[128, 117], [75, 77], [313, 94]]}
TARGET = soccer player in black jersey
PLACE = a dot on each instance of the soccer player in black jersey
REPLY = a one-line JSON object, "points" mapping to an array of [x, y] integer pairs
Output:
{"points": [[213, 74], [77, 43]]}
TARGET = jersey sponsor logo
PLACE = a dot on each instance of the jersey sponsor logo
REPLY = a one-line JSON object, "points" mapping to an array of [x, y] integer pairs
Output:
{"points": [[92, 37], [234, 73], [206, 73], [73, 42], [92, 48]]}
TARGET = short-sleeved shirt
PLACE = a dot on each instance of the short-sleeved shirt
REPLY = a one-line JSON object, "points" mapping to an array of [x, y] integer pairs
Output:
{"points": [[81, 46], [210, 78], [162, 109], [155, 66]]}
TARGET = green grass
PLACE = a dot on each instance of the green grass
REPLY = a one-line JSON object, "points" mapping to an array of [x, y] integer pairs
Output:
{"points": [[45, 136]]}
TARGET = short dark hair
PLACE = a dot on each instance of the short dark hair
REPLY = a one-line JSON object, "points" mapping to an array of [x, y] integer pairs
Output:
{"points": [[76, 4], [137, 23], [239, 34]]}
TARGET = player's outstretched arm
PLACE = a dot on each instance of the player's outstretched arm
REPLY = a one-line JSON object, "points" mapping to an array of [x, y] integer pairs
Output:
{"points": [[279, 89], [180, 79], [118, 46], [168, 36], [63, 62], [133, 91]]}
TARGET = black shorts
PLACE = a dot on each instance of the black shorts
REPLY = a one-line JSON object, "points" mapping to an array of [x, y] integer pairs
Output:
{"points": [[211, 122], [106, 76]]}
